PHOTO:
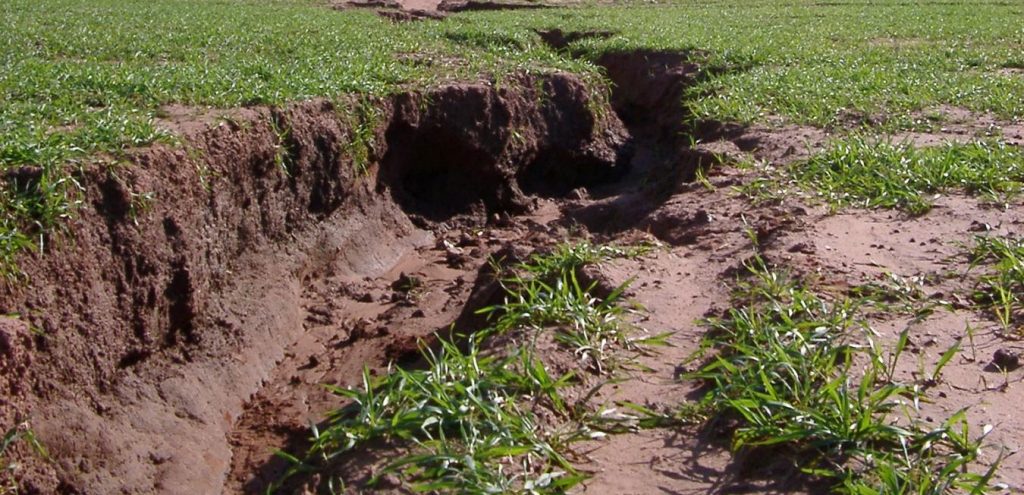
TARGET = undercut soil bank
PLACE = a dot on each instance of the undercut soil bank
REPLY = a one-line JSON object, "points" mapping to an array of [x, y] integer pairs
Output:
{"points": [[145, 330]]}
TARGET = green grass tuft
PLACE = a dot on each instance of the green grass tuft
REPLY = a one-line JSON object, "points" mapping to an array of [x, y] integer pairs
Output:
{"points": [[858, 171], [469, 418], [1001, 286], [786, 368], [463, 416], [894, 294]]}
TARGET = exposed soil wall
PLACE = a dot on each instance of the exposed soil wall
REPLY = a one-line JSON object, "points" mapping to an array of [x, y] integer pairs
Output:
{"points": [[649, 89], [177, 287]]}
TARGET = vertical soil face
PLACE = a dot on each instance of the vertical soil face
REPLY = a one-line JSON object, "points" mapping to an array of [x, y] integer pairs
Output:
{"points": [[649, 90], [146, 328], [470, 144]]}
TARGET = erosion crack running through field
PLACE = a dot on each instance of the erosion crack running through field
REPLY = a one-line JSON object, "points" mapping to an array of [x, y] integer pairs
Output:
{"points": [[208, 288]]}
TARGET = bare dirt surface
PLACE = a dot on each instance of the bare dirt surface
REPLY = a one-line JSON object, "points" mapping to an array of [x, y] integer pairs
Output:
{"points": [[688, 281], [952, 124], [203, 296]]}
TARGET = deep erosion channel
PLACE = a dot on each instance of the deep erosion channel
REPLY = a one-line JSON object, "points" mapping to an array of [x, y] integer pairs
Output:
{"points": [[194, 281]]}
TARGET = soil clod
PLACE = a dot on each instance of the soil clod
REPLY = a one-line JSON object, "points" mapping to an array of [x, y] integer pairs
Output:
{"points": [[1006, 360]]}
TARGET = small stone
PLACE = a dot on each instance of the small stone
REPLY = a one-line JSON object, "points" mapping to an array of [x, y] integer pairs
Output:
{"points": [[456, 257], [406, 283], [802, 247], [1006, 360]]}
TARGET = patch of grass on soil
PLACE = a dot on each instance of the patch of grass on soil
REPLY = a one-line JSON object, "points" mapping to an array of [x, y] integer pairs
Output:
{"points": [[463, 415], [817, 63], [1001, 286], [802, 377], [479, 420], [74, 89], [550, 294], [891, 293], [870, 173]]}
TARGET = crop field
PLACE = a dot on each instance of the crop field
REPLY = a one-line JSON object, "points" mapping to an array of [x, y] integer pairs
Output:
{"points": [[511, 246]]}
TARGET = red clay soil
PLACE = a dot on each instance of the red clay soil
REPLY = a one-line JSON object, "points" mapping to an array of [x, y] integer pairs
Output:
{"points": [[170, 345], [703, 231], [159, 319]]}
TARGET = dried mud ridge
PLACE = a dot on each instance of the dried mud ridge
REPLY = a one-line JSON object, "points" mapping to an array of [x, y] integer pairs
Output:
{"points": [[153, 337]]}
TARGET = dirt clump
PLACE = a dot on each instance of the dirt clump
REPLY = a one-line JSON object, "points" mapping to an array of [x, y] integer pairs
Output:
{"points": [[16, 349], [385, 4], [560, 40], [1005, 360], [409, 15]]}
